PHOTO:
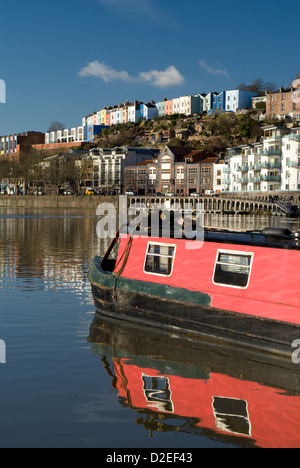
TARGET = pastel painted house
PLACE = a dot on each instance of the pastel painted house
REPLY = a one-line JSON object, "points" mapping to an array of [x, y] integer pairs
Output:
{"points": [[190, 105], [169, 107], [149, 111], [161, 108], [134, 111], [218, 102], [238, 99]]}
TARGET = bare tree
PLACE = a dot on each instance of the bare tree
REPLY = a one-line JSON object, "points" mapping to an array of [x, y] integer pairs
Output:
{"points": [[56, 126]]}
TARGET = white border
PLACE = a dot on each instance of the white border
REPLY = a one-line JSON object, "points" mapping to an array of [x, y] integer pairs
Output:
{"points": [[165, 245], [233, 252]]}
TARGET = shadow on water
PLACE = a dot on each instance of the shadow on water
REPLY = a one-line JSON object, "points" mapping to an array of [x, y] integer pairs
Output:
{"points": [[199, 387]]}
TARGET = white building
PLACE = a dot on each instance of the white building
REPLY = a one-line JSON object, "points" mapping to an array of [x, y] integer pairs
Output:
{"points": [[106, 166], [273, 164]]}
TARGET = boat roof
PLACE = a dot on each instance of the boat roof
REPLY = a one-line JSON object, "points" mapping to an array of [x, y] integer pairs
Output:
{"points": [[280, 238]]}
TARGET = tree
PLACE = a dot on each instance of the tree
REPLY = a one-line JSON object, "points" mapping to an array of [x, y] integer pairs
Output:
{"points": [[56, 126], [258, 86], [36, 171]]}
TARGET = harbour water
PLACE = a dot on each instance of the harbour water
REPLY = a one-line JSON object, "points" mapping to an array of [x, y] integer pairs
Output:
{"points": [[71, 379]]}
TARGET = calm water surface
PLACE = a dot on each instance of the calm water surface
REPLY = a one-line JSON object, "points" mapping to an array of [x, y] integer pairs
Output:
{"points": [[74, 380]]}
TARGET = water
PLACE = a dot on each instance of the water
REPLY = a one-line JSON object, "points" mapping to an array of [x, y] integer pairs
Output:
{"points": [[74, 380]]}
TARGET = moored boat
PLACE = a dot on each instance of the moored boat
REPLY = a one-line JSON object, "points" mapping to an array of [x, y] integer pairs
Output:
{"points": [[238, 287]]}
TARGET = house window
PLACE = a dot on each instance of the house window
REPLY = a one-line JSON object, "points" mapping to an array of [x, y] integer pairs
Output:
{"points": [[160, 259], [233, 269]]}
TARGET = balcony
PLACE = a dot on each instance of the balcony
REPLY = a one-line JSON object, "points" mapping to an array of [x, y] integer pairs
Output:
{"points": [[276, 165], [294, 164], [271, 178], [226, 170], [226, 181], [272, 152]]}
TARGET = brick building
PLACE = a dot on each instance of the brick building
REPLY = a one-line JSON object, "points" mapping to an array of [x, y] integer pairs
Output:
{"points": [[179, 170], [285, 102], [11, 145]]}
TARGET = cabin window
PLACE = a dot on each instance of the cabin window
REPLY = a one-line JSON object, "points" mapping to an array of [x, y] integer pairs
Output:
{"points": [[231, 415], [160, 259], [233, 269]]}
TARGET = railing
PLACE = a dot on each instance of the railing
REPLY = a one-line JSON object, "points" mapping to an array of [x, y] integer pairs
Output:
{"points": [[295, 164], [272, 152], [271, 178]]}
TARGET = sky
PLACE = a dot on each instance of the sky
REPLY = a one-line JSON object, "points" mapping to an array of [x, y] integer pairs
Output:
{"points": [[62, 60]]}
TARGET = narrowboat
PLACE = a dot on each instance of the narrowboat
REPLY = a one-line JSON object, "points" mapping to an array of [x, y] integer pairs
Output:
{"points": [[238, 287]]}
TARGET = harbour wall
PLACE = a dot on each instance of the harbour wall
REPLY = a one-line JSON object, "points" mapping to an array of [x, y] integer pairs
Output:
{"points": [[247, 203], [56, 202]]}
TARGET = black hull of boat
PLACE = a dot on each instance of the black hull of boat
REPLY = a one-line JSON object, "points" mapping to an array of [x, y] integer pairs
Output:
{"points": [[192, 320]]}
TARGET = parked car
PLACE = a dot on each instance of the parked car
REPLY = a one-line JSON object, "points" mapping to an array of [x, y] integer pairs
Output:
{"points": [[68, 192], [194, 194], [129, 192], [90, 191], [170, 194], [159, 194], [39, 192], [211, 193]]}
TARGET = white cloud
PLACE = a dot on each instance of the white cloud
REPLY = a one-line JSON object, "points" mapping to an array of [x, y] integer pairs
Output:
{"points": [[213, 71], [105, 72], [162, 79]]}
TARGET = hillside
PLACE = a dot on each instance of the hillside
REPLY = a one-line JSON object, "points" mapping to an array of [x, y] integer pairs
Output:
{"points": [[212, 133]]}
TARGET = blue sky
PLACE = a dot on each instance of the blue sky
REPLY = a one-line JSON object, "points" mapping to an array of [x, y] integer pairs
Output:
{"points": [[64, 59]]}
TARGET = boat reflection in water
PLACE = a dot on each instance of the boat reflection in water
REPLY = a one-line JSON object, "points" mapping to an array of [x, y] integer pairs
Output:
{"points": [[201, 387]]}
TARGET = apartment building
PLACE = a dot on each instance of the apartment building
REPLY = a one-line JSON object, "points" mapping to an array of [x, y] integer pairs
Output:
{"points": [[105, 167], [270, 165], [80, 134], [179, 170]]}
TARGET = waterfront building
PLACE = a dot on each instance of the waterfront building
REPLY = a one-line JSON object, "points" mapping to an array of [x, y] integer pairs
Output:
{"points": [[270, 165], [106, 166], [179, 170]]}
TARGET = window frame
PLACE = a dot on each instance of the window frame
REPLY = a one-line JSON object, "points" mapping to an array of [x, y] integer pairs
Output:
{"points": [[158, 255], [233, 252]]}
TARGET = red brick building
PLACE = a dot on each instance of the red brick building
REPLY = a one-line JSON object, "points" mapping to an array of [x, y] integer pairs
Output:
{"points": [[179, 170]]}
